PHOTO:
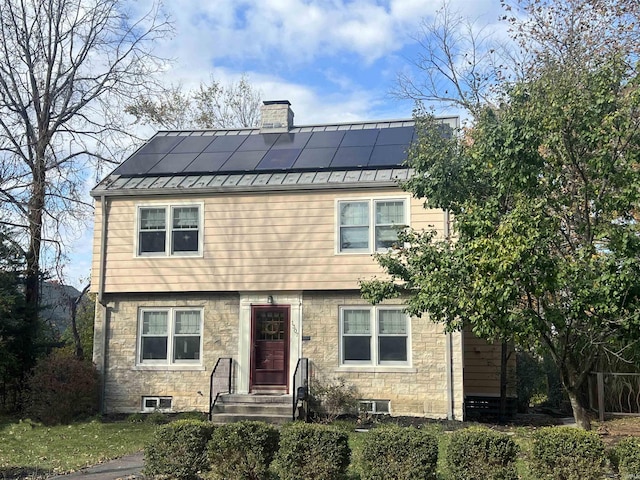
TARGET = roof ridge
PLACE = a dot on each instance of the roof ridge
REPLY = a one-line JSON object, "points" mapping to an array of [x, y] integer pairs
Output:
{"points": [[394, 122]]}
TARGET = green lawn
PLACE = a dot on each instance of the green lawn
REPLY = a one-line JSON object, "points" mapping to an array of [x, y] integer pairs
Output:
{"points": [[32, 450], [28, 448]]}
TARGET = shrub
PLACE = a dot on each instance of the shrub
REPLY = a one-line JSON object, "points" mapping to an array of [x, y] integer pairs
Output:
{"points": [[178, 450], [136, 418], [567, 453], [478, 453], [156, 418], [626, 457], [243, 450], [393, 452], [312, 451], [62, 389], [332, 398], [192, 415]]}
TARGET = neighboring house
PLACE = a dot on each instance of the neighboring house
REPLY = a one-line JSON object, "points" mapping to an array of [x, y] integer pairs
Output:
{"points": [[249, 244]]}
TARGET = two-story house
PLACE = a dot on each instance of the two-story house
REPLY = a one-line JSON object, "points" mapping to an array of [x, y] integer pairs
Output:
{"points": [[249, 244]]}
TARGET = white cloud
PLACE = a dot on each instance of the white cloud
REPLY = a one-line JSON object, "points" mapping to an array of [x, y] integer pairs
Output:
{"points": [[298, 30]]}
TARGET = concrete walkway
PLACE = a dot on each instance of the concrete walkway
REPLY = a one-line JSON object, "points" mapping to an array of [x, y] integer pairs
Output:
{"points": [[125, 468]]}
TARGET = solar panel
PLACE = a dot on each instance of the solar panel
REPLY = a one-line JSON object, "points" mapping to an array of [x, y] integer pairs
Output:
{"points": [[328, 147], [226, 143], [138, 164], [315, 158], [262, 141], [352, 157], [208, 162], [173, 163], [243, 161], [292, 140], [160, 145], [359, 138], [279, 159], [388, 155], [395, 136], [192, 145], [325, 139]]}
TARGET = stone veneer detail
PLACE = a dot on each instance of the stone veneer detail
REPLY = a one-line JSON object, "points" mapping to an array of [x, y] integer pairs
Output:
{"points": [[126, 383], [420, 389]]}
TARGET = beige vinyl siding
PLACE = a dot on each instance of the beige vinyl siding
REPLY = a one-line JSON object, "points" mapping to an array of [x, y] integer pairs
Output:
{"points": [[482, 367], [252, 242]]}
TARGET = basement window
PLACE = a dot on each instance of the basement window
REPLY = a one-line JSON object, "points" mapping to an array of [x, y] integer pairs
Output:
{"points": [[375, 407], [153, 404]]}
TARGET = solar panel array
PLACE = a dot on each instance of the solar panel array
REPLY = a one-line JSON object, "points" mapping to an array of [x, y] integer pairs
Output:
{"points": [[246, 151]]}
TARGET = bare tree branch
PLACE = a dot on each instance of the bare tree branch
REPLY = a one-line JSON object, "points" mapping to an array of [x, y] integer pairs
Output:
{"points": [[66, 68]]}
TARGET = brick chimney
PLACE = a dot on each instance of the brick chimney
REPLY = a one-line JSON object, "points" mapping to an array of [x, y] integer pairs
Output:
{"points": [[277, 116]]}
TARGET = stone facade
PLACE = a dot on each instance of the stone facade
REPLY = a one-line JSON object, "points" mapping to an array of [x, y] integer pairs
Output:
{"points": [[424, 387], [125, 382]]}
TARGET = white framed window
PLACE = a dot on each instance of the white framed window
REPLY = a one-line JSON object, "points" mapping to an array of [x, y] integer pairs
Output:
{"points": [[375, 407], [169, 230], [153, 404], [374, 336], [369, 225], [170, 336]]}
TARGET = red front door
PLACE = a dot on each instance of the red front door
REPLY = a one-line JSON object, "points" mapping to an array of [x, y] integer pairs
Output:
{"points": [[270, 352]]}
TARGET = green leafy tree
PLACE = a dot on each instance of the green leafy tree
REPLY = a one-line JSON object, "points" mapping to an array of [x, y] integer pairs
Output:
{"points": [[543, 193], [542, 188]]}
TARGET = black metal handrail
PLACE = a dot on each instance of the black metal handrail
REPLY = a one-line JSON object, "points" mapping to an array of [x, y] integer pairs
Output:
{"points": [[220, 381], [301, 390]]}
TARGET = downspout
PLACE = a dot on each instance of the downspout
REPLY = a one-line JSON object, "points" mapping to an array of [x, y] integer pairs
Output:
{"points": [[449, 343], [101, 282]]}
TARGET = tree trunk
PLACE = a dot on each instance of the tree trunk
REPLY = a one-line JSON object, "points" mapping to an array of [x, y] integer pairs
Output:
{"points": [[32, 274], [79, 352], [580, 411]]}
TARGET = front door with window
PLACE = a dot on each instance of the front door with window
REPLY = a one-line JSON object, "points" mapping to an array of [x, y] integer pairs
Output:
{"points": [[270, 352]]}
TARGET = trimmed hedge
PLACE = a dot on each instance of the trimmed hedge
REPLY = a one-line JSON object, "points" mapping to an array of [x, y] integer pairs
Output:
{"points": [[243, 450], [567, 453], [626, 457], [312, 451], [478, 454], [178, 450], [398, 453]]}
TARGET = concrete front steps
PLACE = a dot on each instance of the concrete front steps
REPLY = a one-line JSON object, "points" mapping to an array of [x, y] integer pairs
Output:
{"points": [[270, 408]]}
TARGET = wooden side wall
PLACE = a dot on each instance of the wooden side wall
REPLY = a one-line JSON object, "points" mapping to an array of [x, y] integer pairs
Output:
{"points": [[482, 367]]}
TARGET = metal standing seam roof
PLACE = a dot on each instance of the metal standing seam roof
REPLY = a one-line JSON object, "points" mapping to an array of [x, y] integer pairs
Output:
{"points": [[307, 157]]}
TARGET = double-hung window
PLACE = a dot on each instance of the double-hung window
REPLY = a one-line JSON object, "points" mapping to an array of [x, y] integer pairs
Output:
{"points": [[170, 336], [169, 230], [374, 336], [372, 225]]}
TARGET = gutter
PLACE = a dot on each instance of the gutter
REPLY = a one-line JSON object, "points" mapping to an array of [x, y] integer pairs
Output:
{"points": [[101, 301], [449, 343]]}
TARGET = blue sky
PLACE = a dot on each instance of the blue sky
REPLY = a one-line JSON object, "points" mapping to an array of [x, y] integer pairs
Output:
{"points": [[334, 60]]}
